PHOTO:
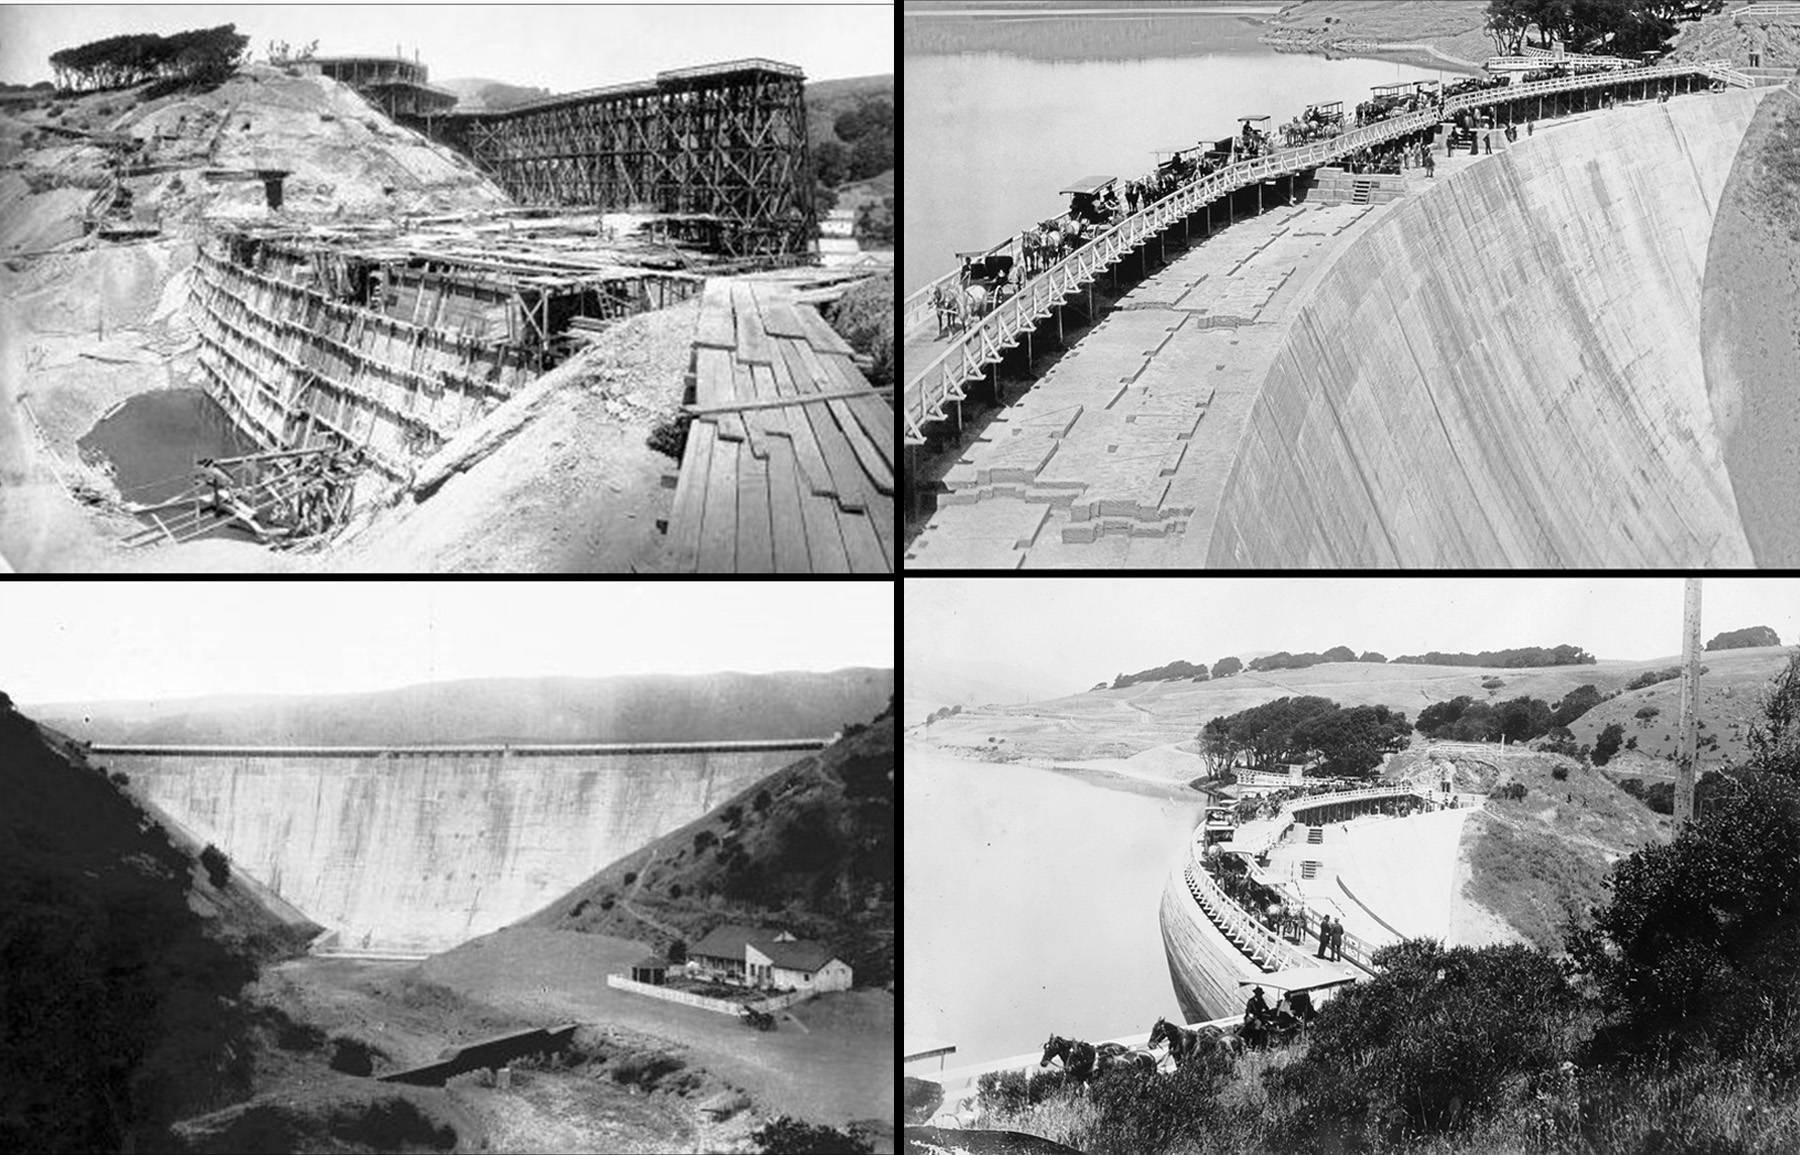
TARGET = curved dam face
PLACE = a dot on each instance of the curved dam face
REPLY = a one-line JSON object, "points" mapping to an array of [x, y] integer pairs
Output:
{"points": [[416, 850], [1507, 370]]}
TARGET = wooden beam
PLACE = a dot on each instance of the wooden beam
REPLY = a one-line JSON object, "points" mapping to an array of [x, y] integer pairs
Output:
{"points": [[781, 402]]}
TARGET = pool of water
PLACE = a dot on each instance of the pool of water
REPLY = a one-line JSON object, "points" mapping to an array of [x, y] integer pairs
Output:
{"points": [[153, 440], [1031, 905], [992, 134]]}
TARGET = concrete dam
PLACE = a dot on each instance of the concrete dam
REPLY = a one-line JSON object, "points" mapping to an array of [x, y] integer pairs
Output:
{"points": [[415, 849], [1517, 363]]}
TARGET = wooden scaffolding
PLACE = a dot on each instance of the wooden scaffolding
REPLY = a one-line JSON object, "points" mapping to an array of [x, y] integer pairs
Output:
{"points": [[721, 140]]}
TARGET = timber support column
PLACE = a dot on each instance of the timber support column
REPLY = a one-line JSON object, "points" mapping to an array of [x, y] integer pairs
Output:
{"points": [[1690, 704]]}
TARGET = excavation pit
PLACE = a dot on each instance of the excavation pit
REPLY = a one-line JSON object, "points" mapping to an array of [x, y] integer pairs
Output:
{"points": [[152, 442]]}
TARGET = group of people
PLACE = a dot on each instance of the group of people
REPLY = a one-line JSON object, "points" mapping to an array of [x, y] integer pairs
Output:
{"points": [[1331, 939], [1280, 1022]]}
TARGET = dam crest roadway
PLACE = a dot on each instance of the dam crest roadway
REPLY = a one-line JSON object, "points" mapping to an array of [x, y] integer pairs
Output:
{"points": [[410, 850]]}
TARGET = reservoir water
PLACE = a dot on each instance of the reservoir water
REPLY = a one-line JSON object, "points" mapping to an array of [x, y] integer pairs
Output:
{"points": [[153, 439], [1000, 114], [1031, 902]]}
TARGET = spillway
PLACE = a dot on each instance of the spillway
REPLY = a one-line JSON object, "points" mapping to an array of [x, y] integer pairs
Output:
{"points": [[416, 849]]}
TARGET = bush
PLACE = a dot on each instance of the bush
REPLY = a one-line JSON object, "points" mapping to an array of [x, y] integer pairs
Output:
{"points": [[1645, 713], [631, 876], [1514, 792], [788, 1136], [218, 867], [1608, 743], [669, 436], [761, 801], [120, 778], [1741, 639], [644, 1070], [704, 839], [1438, 1035], [865, 318], [1492, 684], [1560, 773]]}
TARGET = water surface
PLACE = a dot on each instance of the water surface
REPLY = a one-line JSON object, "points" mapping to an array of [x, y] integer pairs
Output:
{"points": [[1031, 906], [154, 439], [991, 135]]}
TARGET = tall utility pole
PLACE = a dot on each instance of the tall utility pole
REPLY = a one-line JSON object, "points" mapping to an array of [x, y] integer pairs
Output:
{"points": [[1690, 704]]}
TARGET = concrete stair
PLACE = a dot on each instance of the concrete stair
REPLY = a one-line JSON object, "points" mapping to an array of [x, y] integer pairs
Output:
{"points": [[1335, 186]]}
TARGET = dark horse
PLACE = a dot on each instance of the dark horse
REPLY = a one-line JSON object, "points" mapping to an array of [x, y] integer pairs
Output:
{"points": [[1077, 1057], [1185, 1043], [1112, 1055]]}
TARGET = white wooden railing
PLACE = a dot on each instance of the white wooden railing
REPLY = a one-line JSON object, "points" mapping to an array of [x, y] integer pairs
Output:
{"points": [[967, 356], [1772, 10]]}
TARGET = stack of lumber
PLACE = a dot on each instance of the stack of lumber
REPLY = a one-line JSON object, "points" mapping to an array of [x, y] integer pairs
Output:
{"points": [[789, 466]]}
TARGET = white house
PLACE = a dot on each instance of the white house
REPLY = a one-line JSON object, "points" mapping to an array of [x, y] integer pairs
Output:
{"points": [[770, 960]]}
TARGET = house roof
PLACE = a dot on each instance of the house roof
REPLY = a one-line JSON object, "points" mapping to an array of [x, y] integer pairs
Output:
{"points": [[729, 941], [726, 942], [796, 956], [653, 962]]}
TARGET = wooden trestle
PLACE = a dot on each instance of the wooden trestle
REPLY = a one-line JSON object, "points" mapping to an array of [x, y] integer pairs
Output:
{"points": [[725, 143]]}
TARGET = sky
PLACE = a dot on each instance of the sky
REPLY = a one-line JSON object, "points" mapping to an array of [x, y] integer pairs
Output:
{"points": [[77, 641], [1090, 630], [560, 48]]}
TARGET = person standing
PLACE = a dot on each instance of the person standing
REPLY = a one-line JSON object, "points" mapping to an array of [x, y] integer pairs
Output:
{"points": [[1337, 941], [1430, 165], [1324, 935]]}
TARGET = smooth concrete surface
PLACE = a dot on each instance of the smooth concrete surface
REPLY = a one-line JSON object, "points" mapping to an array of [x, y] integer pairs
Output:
{"points": [[420, 851], [1204, 967], [1103, 461], [1505, 370], [1403, 870]]}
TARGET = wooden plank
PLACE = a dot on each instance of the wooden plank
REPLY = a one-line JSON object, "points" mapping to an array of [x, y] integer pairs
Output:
{"points": [[873, 464], [690, 495], [874, 413], [824, 540], [716, 326], [861, 547], [754, 549], [776, 402], [820, 334], [881, 514], [787, 522], [806, 447], [781, 319], [847, 477], [755, 421], [718, 534], [753, 344]]}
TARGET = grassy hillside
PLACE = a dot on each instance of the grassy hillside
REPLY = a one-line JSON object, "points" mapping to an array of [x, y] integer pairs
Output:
{"points": [[809, 848], [119, 1008], [1102, 723], [648, 708], [1536, 860]]}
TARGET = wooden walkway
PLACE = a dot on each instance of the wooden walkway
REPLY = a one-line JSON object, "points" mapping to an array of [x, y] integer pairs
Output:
{"points": [[789, 466]]}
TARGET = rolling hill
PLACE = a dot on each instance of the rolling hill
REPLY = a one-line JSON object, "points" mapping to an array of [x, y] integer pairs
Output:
{"points": [[1108, 723], [643, 708], [810, 849]]}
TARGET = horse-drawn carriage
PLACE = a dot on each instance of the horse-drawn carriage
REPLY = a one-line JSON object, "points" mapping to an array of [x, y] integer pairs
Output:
{"points": [[985, 280], [1254, 140], [761, 1020]]}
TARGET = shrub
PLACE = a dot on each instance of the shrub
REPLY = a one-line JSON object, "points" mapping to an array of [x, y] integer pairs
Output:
{"points": [[761, 803], [1439, 1034], [865, 317], [1492, 684], [1645, 713], [630, 877], [669, 436], [1608, 743], [704, 839], [1560, 773], [789, 1136], [120, 778], [645, 1070], [675, 891], [608, 902], [218, 867]]}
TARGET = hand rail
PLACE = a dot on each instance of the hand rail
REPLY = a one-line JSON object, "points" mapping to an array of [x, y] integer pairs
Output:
{"points": [[941, 381], [1232, 917]]}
